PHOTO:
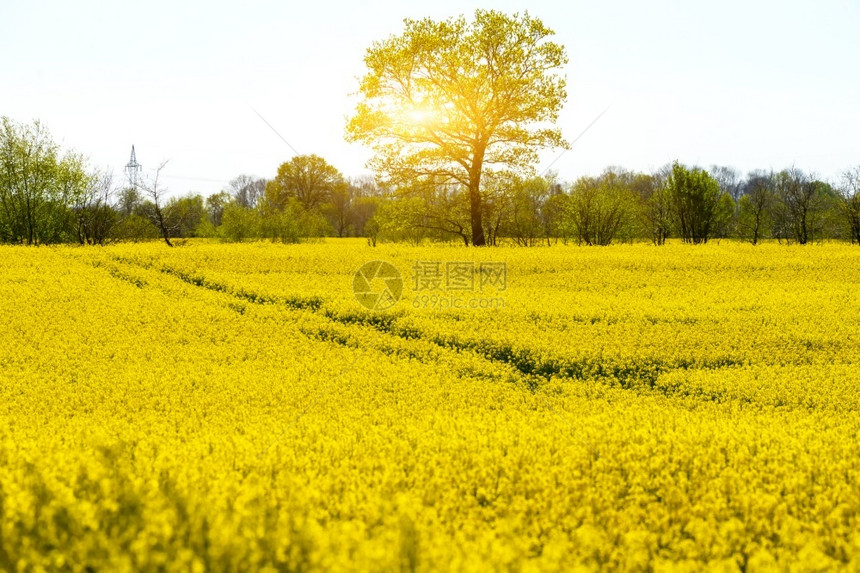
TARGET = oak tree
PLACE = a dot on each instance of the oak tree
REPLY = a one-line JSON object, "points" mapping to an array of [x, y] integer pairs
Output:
{"points": [[455, 97], [309, 179]]}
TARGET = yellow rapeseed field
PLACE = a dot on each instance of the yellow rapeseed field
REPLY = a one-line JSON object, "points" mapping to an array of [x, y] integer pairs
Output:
{"points": [[234, 407]]}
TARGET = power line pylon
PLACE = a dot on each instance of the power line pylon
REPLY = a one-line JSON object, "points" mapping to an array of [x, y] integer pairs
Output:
{"points": [[133, 169]]}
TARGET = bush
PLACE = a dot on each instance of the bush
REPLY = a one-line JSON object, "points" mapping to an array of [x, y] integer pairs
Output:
{"points": [[239, 223], [294, 223], [134, 228]]}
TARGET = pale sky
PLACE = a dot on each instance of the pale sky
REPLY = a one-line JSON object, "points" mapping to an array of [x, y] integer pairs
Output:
{"points": [[751, 84]]}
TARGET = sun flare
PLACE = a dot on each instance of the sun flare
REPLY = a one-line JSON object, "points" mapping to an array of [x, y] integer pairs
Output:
{"points": [[419, 116]]}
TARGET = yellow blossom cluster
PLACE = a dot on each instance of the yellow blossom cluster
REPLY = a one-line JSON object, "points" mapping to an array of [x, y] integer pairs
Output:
{"points": [[233, 407]]}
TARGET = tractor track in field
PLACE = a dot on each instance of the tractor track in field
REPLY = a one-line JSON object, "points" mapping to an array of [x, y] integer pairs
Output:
{"points": [[532, 373]]}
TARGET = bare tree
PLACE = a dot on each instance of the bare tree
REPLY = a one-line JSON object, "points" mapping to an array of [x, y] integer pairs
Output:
{"points": [[156, 193], [552, 212], [367, 195], [497, 189], [755, 206], [94, 212], [247, 190], [436, 208], [729, 180], [128, 201], [800, 203], [339, 207]]}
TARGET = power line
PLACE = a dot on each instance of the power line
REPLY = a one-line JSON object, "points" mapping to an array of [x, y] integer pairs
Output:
{"points": [[275, 130], [576, 139], [204, 179]]}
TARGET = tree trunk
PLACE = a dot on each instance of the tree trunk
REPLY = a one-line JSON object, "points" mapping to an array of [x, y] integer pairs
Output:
{"points": [[475, 206], [755, 229], [162, 226], [477, 225]]}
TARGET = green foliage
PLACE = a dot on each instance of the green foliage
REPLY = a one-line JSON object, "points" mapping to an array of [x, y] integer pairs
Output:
{"points": [[282, 226], [725, 217], [602, 209], [239, 223], [339, 208], [206, 230], [524, 222], [849, 203], [37, 185], [215, 205], [308, 179], [695, 197], [294, 223], [134, 228], [184, 214], [655, 206], [428, 208], [371, 230], [401, 220]]}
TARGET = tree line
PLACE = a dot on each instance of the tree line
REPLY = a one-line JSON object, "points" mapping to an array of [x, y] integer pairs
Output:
{"points": [[692, 204], [50, 196]]}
